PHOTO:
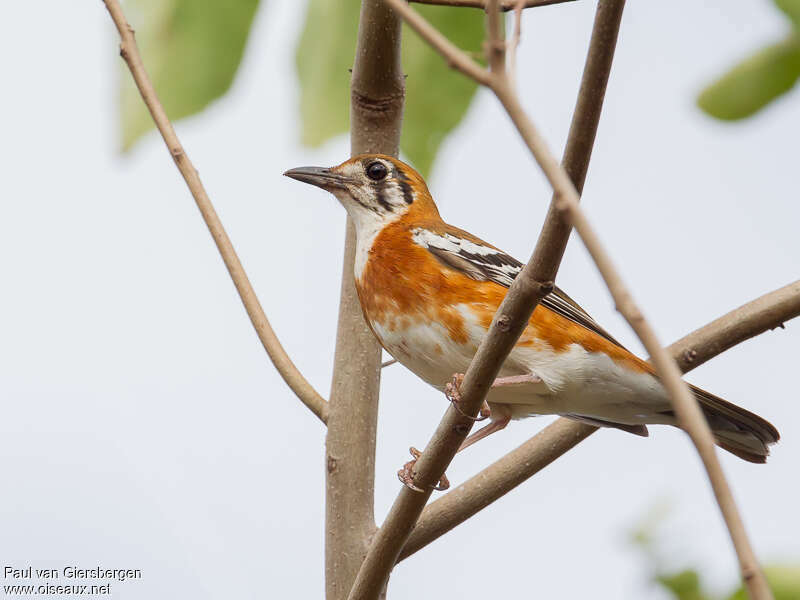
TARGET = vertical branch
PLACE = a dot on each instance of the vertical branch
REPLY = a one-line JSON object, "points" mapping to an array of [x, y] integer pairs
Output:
{"points": [[496, 45], [377, 92]]}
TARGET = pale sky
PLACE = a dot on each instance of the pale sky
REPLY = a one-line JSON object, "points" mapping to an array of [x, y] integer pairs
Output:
{"points": [[144, 427]]}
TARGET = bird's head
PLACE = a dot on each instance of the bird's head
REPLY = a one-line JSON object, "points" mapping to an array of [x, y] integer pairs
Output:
{"points": [[374, 188]]}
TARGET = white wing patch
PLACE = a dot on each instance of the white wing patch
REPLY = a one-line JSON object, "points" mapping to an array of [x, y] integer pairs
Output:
{"points": [[478, 262], [484, 263]]}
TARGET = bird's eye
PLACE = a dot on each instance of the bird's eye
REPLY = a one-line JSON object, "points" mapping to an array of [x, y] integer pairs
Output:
{"points": [[377, 170]]}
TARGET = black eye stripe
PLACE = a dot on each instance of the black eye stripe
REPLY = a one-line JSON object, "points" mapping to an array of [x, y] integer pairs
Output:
{"points": [[408, 193], [382, 199]]}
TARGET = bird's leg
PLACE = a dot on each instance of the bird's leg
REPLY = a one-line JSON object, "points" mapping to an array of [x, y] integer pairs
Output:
{"points": [[406, 474], [514, 380], [453, 392], [484, 431], [454, 395]]}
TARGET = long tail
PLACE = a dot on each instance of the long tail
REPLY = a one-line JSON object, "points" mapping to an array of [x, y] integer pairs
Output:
{"points": [[735, 429]]}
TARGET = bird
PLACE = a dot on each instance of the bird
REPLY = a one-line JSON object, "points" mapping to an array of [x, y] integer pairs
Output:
{"points": [[429, 291]]}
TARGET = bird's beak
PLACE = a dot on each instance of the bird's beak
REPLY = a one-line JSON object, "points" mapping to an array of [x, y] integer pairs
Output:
{"points": [[319, 176]]}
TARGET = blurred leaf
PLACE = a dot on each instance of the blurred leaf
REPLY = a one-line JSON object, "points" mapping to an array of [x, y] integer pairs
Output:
{"points": [[191, 49], [324, 56], [755, 82], [437, 97], [783, 580], [792, 10], [684, 585]]}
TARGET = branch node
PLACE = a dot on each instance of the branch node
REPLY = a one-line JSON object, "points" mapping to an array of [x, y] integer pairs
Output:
{"points": [[379, 106], [545, 287], [504, 323]]}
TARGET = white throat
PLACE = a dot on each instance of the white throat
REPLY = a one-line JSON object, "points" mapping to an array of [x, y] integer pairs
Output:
{"points": [[368, 225]]}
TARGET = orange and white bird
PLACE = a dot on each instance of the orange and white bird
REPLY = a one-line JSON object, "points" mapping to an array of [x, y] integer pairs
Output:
{"points": [[429, 291]]}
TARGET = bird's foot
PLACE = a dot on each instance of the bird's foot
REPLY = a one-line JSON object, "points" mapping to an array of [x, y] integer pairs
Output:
{"points": [[406, 474], [453, 393]]}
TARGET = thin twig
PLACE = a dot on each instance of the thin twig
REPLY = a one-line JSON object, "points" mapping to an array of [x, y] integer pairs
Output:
{"points": [[455, 58], [388, 363], [496, 480], [513, 45], [770, 311], [291, 375], [505, 5], [690, 416], [684, 404]]}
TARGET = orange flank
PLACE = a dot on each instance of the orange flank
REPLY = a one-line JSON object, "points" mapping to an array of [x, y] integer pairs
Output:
{"points": [[404, 284]]}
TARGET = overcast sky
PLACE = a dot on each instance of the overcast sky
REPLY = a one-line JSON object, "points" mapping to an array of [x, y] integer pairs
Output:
{"points": [[144, 427]]}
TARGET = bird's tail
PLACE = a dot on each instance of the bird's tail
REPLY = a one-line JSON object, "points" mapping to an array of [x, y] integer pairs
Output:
{"points": [[735, 429]]}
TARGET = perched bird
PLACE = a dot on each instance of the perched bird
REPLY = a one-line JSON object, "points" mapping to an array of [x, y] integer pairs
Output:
{"points": [[429, 291]]}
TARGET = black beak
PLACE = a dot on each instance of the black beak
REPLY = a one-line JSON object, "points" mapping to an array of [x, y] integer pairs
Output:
{"points": [[319, 176]]}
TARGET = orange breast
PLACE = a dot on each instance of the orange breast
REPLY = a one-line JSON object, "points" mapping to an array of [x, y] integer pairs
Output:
{"points": [[403, 284]]}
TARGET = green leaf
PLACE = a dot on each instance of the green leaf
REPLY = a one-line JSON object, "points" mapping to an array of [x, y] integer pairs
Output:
{"points": [[792, 10], [437, 97], [323, 60], [784, 581], [684, 585], [754, 83], [191, 49]]}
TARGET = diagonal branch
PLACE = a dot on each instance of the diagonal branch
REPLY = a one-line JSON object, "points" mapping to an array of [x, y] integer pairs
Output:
{"points": [[505, 5], [291, 375], [438, 454], [752, 319], [530, 286]]}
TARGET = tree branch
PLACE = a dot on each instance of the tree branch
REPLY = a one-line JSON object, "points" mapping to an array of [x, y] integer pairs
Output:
{"points": [[376, 110], [690, 416], [496, 480], [291, 375], [383, 553], [529, 287], [505, 5], [686, 407], [763, 314], [455, 58]]}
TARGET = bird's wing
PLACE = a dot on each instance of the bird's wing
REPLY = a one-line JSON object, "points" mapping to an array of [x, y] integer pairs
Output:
{"points": [[478, 260]]}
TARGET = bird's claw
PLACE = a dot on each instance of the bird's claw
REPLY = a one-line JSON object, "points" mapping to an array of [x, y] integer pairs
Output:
{"points": [[406, 474], [453, 393]]}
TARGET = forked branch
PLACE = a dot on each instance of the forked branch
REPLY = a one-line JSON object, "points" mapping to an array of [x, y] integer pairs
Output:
{"points": [[291, 375]]}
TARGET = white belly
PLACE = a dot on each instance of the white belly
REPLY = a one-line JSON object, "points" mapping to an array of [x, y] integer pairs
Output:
{"points": [[573, 381]]}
